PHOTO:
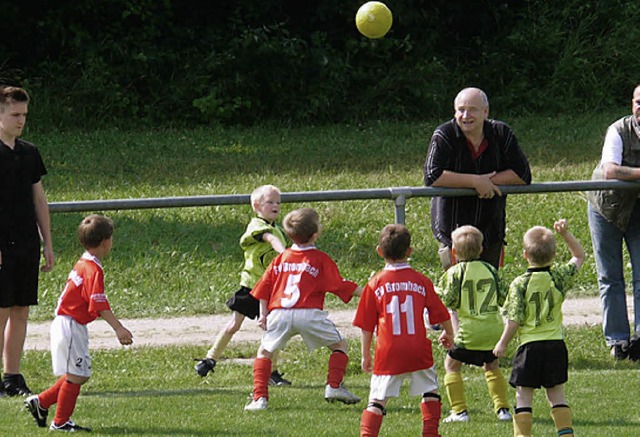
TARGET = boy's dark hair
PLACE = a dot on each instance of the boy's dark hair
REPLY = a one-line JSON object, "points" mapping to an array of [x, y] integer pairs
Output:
{"points": [[540, 245], [10, 94], [301, 224], [94, 229], [467, 241], [394, 242]]}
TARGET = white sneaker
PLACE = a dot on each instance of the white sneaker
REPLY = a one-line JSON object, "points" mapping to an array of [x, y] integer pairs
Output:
{"points": [[504, 415], [340, 394], [257, 404], [457, 417]]}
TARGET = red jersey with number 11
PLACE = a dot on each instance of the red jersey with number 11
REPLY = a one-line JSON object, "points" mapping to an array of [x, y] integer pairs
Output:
{"points": [[299, 278], [392, 305]]}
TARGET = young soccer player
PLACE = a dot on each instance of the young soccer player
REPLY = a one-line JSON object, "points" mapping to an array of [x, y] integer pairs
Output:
{"points": [[291, 294], [82, 301], [473, 289], [392, 306], [534, 309], [261, 242]]}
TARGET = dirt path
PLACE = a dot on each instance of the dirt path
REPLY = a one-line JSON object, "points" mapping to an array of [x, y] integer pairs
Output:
{"points": [[201, 330]]}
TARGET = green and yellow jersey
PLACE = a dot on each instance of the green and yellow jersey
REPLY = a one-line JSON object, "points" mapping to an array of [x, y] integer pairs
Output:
{"points": [[474, 289], [257, 252], [535, 302]]}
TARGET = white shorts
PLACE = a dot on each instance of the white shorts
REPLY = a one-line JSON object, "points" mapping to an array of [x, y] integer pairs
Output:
{"points": [[388, 386], [312, 324], [70, 347]]}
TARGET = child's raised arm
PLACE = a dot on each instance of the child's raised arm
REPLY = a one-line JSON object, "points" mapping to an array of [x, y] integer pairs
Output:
{"points": [[577, 252], [274, 241]]}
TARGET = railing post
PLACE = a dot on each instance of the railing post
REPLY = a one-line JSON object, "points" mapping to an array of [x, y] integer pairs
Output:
{"points": [[400, 196]]}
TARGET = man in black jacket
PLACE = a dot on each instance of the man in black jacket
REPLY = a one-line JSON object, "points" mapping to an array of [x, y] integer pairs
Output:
{"points": [[473, 151]]}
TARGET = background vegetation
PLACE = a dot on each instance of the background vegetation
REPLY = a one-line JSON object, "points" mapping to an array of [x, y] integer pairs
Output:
{"points": [[185, 261], [99, 62]]}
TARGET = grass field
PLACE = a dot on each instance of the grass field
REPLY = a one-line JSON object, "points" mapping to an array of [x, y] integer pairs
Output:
{"points": [[185, 261], [176, 262], [154, 392]]}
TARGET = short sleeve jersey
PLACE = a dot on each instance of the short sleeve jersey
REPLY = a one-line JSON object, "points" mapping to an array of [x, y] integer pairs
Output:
{"points": [[83, 296], [475, 290], [20, 168], [535, 302], [392, 305], [257, 252], [300, 278]]}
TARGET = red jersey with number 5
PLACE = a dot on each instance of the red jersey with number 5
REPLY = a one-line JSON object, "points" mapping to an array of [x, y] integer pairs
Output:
{"points": [[83, 296], [392, 305], [300, 278]]}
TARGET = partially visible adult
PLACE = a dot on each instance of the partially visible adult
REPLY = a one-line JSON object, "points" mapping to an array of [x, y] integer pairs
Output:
{"points": [[614, 217], [473, 151], [24, 221]]}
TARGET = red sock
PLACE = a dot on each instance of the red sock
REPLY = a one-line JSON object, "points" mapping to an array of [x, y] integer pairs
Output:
{"points": [[261, 374], [370, 424], [337, 368], [431, 411], [50, 396], [67, 397]]}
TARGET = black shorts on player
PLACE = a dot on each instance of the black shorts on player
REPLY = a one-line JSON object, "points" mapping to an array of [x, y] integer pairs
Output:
{"points": [[540, 364]]}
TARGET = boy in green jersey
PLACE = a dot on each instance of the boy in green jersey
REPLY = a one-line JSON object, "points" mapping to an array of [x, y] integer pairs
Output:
{"points": [[261, 242], [474, 290], [534, 310]]}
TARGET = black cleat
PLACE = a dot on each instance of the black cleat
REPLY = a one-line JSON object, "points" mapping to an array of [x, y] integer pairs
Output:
{"points": [[204, 366], [32, 403], [68, 426]]}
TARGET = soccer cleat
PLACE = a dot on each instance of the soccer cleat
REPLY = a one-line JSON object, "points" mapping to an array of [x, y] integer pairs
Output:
{"points": [[634, 347], [204, 366], [340, 394], [620, 351], [68, 426], [257, 404], [32, 403], [503, 415], [15, 385], [277, 379], [463, 416]]}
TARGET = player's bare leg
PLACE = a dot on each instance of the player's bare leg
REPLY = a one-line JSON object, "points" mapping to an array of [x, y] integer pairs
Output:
{"points": [[15, 333], [523, 418], [560, 411]]}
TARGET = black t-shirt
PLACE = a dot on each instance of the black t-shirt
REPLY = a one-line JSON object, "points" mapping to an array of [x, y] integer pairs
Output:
{"points": [[20, 168]]}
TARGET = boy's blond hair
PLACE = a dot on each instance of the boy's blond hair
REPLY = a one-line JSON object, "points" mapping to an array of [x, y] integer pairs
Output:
{"points": [[94, 229], [394, 242], [467, 241], [261, 192], [301, 224], [540, 245]]}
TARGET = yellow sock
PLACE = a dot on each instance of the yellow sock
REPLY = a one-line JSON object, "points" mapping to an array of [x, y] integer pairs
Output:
{"points": [[497, 388], [222, 340], [455, 391], [522, 424], [561, 415]]}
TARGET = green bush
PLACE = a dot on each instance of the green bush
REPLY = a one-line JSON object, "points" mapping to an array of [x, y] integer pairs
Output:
{"points": [[103, 62]]}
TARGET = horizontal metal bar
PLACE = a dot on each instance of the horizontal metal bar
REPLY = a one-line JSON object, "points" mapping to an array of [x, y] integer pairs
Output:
{"points": [[316, 196]]}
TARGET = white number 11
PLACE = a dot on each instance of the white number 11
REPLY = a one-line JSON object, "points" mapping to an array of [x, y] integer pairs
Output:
{"points": [[395, 308]]}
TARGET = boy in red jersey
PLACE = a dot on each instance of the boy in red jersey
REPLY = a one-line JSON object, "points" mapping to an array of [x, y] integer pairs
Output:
{"points": [[392, 305], [82, 301], [291, 294]]}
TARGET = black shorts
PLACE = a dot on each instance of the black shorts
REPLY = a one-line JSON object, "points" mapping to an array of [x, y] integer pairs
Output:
{"points": [[244, 303], [474, 358], [540, 364], [19, 275]]}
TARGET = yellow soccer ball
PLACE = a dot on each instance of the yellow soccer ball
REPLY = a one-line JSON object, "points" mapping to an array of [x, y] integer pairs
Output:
{"points": [[374, 19]]}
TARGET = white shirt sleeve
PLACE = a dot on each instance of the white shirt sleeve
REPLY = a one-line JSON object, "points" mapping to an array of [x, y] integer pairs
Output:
{"points": [[612, 149]]}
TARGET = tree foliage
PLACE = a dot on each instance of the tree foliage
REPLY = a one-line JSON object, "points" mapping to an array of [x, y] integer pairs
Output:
{"points": [[242, 61]]}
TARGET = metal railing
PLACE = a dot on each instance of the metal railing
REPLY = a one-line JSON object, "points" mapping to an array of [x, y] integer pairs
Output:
{"points": [[399, 195]]}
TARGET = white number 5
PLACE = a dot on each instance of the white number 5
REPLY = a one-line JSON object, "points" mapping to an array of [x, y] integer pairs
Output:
{"points": [[292, 291]]}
